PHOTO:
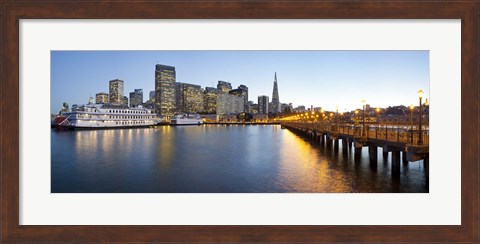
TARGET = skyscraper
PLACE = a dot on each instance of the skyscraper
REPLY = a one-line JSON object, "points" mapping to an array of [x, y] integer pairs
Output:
{"points": [[165, 77], [151, 96], [116, 91], [263, 104], [210, 100], [125, 101], [188, 98], [136, 98], [224, 86], [229, 104], [101, 98], [275, 99], [242, 91]]}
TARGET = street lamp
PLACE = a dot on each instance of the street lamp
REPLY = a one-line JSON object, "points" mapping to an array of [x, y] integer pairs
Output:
{"points": [[336, 116], [363, 105], [411, 122], [420, 139]]}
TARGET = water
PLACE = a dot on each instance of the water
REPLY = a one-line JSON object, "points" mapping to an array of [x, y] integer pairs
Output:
{"points": [[215, 159]]}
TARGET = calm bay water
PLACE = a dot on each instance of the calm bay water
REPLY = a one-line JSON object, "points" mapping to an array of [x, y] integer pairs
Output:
{"points": [[215, 159]]}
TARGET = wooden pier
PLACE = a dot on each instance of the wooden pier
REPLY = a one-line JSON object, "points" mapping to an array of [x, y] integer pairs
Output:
{"points": [[402, 142]]}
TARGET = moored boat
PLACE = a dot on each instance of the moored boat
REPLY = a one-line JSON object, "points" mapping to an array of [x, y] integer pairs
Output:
{"points": [[98, 116], [186, 119]]}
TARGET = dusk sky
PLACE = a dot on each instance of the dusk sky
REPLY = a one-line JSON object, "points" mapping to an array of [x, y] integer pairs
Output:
{"points": [[319, 78]]}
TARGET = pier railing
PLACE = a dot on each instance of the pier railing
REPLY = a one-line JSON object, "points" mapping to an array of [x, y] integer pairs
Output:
{"points": [[398, 133]]}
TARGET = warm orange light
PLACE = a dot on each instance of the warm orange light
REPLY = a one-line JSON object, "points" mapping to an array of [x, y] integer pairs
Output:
{"points": [[420, 93], [356, 111]]}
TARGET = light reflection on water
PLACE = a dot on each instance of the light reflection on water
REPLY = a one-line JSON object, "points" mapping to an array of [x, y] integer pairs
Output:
{"points": [[215, 158]]}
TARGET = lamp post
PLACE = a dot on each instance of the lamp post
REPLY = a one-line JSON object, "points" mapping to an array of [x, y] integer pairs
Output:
{"points": [[377, 110], [363, 129], [411, 123], [356, 122], [420, 139], [341, 122], [336, 117]]}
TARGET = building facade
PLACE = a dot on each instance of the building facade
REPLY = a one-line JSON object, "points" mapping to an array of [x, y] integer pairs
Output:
{"points": [[224, 86], [188, 98], [241, 91], [275, 99], [125, 101], [116, 91], [263, 102], [101, 98], [210, 100], [136, 98], [228, 104], [165, 77], [151, 96]]}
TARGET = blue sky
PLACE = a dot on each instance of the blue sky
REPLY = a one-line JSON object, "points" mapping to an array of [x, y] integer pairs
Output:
{"points": [[319, 78]]}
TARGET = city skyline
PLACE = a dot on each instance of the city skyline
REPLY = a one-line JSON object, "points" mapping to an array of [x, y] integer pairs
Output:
{"points": [[339, 77]]}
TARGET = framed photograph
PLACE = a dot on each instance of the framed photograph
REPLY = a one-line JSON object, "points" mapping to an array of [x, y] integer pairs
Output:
{"points": [[266, 121]]}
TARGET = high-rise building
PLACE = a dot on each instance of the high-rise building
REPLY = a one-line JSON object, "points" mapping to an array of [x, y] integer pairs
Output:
{"points": [[165, 77], [136, 98], [188, 98], [210, 100], [178, 97], [151, 96], [242, 91], [116, 91], [254, 108], [125, 101], [263, 102], [275, 98], [101, 98], [228, 104], [224, 86]]}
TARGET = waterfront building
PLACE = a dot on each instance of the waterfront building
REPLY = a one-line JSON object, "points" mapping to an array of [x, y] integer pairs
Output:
{"points": [[151, 96], [101, 98], [210, 100], [260, 118], [229, 104], [254, 108], [165, 77], [275, 98], [125, 101], [263, 102], [300, 109], [116, 91], [150, 104], [178, 97], [285, 108], [136, 98], [241, 91], [224, 86], [189, 98]]}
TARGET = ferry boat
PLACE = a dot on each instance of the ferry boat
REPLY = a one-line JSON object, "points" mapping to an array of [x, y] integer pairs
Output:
{"points": [[186, 119], [97, 116]]}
